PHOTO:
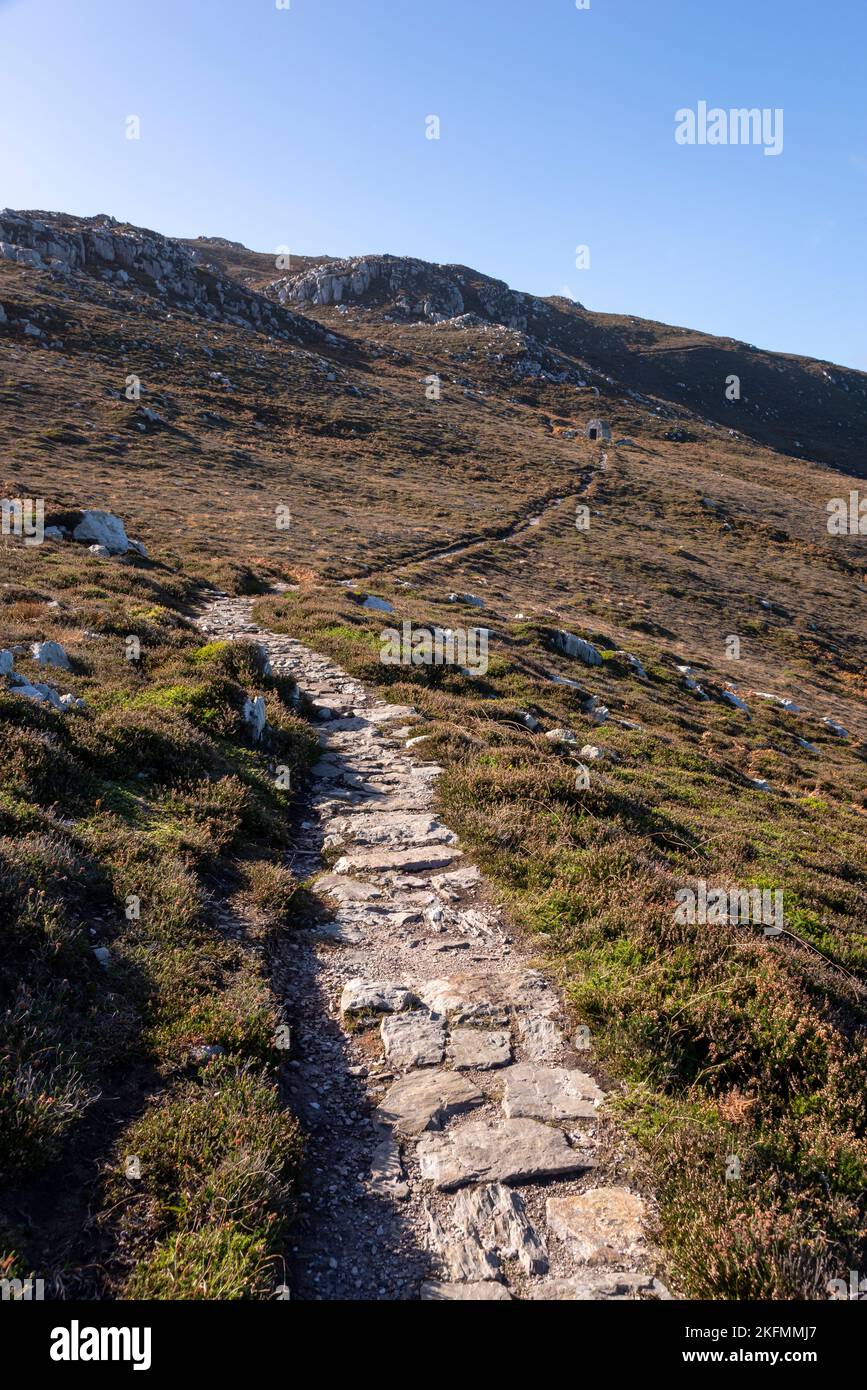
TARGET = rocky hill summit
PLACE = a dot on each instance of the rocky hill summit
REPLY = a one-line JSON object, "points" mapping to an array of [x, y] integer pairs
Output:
{"points": [[412, 289], [133, 258]]}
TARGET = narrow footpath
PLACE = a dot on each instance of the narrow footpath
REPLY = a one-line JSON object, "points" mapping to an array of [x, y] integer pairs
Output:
{"points": [[458, 1145]]}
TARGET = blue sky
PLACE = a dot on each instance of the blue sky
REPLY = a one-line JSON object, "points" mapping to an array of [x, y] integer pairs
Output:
{"points": [[305, 127]]}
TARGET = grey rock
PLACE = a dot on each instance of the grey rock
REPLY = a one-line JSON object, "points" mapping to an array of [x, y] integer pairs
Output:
{"points": [[495, 1218], [413, 1040], [571, 645], [424, 1100], [346, 890], [406, 860], [483, 1292], [468, 996], [542, 1039], [374, 996], [538, 1092], [50, 654], [599, 1287], [479, 1049], [466, 1260], [386, 1172], [504, 1151], [255, 716]]}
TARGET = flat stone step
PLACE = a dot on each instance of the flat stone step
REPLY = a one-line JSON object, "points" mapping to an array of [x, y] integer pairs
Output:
{"points": [[426, 1100], [406, 860], [505, 1151]]}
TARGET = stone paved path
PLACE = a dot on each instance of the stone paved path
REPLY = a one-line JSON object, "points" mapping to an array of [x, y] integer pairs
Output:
{"points": [[458, 1146]]}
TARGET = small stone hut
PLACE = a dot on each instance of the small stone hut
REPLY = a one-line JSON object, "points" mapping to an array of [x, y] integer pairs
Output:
{"points": [[597, 429]]}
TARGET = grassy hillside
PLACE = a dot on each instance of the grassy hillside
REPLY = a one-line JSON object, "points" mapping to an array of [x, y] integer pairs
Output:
{"points": [[143, 892]]}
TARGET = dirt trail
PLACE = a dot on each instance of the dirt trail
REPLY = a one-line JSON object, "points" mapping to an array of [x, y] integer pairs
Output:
{"points": [[458, 1145], [539, 511]]}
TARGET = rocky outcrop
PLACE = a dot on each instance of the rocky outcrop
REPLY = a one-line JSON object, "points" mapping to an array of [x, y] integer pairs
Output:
{"points": [[412, 289], [131, 258]]}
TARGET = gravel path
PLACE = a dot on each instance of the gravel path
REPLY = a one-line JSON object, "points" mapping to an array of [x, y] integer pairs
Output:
{"points": [[458, 1146]]}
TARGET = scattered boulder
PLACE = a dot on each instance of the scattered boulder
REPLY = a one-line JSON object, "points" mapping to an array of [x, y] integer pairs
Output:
{"points": [[732, 699], [50, 654], [101, 552], [7, 662], [593, 753], [836, 729], [561, 736], [255, 717], [571, 645], [103, 528]]}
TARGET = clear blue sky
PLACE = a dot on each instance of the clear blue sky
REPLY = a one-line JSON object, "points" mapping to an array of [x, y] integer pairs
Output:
{"points": [[306, 127]]}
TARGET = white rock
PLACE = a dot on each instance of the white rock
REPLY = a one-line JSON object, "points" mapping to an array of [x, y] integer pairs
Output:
{"points": [[784, 703], [576, 646], [103, 528], [833, 727], [255, 717], [481, 1292], [593, 753], [100, 551], [50, 654], [561, 736]]}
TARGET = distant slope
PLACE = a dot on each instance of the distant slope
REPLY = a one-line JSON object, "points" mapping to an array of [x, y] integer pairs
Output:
{"points": [[808, 408]]}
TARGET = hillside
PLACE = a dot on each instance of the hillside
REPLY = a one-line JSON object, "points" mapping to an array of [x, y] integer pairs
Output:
{"points": [[667, 595]]}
